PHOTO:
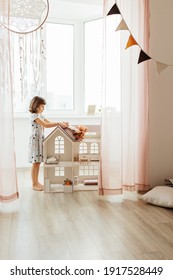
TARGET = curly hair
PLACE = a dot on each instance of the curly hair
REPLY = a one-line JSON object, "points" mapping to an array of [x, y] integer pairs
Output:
{"points": [[35, 103]]}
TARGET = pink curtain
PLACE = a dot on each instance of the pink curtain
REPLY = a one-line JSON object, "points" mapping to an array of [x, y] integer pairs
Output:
{"points": [[8, 177], [124, 148]]}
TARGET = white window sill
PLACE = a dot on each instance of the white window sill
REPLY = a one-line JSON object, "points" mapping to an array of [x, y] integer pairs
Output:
{"points": [[73, 119]]}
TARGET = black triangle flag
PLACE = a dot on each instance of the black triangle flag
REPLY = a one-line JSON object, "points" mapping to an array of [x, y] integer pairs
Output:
{"points": [[114, 10], [143, 56]]}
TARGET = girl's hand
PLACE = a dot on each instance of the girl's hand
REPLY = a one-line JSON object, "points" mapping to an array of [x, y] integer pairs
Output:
{"points": [[64, 124]]}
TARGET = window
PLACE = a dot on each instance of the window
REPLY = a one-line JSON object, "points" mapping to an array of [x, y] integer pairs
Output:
{"points": [[59, 171], [113, 63], [93, 63], [94, 149], [59, 145], [83, 148], [57, 64], [59, 68], [88, 170]]}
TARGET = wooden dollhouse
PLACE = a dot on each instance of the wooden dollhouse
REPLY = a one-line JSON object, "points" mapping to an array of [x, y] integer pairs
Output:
{"points": [[70, 164]]}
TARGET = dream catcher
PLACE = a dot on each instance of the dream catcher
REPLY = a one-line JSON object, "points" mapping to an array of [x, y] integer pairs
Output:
{"points": [[24, 16], [25, 19]]}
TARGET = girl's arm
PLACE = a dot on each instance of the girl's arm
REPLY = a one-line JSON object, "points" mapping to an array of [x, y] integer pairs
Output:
{"points": [[47, 124], [46, 120]]}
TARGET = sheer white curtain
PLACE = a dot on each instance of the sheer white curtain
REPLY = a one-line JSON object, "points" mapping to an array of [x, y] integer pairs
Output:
{"points": [[124, 148], [8, 177]]}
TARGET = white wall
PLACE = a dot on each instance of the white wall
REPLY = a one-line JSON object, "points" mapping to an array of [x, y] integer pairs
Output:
{"points": [[161, 104], [160, 125]]}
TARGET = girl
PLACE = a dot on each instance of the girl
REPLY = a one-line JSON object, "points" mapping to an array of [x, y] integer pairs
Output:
{"points": [[38, 122]]}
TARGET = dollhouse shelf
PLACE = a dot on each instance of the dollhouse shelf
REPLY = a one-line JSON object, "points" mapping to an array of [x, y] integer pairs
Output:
{"points": [[54, 188], [71, 163], [91, 140]]}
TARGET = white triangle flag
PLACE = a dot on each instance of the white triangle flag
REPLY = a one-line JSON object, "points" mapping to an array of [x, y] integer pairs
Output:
{"points": [[122, 26], [160, 67]]}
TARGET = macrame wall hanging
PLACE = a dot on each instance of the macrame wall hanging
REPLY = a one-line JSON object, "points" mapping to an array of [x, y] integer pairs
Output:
{"points": [[24, 19]]}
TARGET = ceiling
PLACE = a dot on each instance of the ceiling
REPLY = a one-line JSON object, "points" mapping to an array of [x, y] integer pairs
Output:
{"points": [[91, 2], [75, 9]]}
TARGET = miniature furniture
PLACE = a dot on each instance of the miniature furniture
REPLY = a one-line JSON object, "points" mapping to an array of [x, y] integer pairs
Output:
{"points": [[68, 163]]}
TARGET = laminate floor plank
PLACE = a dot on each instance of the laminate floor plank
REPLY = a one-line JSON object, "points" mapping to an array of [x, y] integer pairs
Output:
{"points": [[83, 225]]}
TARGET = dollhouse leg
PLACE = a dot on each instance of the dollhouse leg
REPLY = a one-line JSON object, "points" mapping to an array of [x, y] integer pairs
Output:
{"points": [[47, 185]]}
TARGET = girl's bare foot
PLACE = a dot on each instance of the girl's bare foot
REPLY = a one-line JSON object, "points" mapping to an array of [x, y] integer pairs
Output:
{"points": [[41, 185], [37, 187]]}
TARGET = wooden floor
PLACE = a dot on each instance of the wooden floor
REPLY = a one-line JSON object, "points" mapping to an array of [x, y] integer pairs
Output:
{"points": [[83, 225]]}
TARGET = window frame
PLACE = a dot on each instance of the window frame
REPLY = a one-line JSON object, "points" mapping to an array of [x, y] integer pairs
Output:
{"points": [[97, 113], [78, 52], [59, 171], [94, 148], [83, 148], [79, 71], [59, 145], [88, 170]]}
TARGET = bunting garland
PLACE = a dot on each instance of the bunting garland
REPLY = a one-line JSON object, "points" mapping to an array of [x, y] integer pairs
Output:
{"points": [[114, 10], [122, 26], [160, 67], [143, 57], [131, 41]]}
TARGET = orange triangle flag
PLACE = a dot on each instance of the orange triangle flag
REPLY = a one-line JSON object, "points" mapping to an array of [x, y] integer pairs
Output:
{"points": [[131, 42]]}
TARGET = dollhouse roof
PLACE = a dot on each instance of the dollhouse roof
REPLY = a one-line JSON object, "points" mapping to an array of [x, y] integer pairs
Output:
{"points": [[66, 131]]}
